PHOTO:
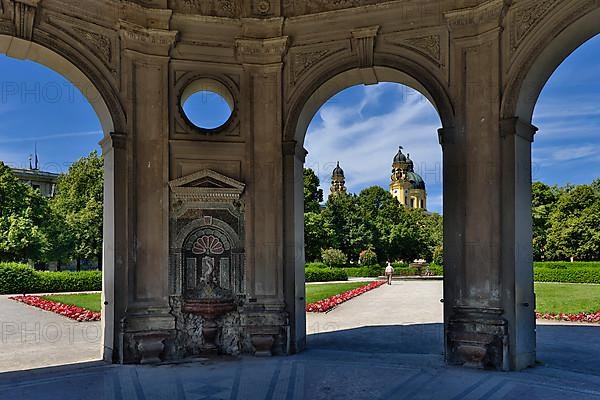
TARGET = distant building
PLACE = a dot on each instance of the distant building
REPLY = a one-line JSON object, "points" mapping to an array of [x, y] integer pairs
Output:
{"points": [[338, 181], [407, 186], [43, 181]]}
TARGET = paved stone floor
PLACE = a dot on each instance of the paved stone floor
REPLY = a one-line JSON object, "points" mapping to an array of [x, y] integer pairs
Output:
{"points": [[33, 338], [379, 359]]}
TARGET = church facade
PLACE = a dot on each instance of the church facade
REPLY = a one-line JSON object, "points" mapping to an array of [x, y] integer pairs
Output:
{"points": [[406, 185]]}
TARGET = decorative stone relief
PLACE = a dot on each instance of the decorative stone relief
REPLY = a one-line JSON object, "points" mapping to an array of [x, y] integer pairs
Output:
{"points": [[207, 267], [525, 18], [301, 7], [216, 8], [303, 59], [427, 45]]}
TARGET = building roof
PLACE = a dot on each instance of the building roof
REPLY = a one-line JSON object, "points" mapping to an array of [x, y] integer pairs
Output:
{"points": [[35, 175], [338, 171]]}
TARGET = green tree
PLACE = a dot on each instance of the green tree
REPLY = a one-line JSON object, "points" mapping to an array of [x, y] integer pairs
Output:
{"points": [[313, 195], [575, 225], [80, 201], [350, 232], [317, 233], [24, 217], [544, 200]]}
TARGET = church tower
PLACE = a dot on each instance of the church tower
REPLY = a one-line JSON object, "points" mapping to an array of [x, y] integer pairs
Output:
{"points": [[338, 181], [407, 186]]}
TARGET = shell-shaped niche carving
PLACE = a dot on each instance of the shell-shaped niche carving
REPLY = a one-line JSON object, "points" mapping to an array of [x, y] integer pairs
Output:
{"points": [[208, 244]]}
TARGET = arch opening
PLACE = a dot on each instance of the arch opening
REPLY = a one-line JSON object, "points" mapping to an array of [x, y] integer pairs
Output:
{"points": [[318, 99], [80, 83]]}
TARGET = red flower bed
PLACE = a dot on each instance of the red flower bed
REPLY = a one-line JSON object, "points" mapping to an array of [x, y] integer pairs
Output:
{"points": [[73, 312], [582, 317], [327, 304]]}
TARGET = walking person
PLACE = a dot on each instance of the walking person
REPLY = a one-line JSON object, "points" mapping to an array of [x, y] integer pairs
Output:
{"points": [[389, 272]]}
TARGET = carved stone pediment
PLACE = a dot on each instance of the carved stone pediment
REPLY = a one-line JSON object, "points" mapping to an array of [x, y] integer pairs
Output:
{"points": [[207, 185]]}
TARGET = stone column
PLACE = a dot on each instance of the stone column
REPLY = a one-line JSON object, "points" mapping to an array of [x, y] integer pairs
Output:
{"points": [[294, 279], [262, 104], [147, 323], [115, 249], [517, 236], [483, 325]]}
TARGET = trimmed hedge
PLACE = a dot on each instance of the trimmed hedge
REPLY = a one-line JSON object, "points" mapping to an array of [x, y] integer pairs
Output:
{"points": [[325, 274], [566, 264], [365, 272], [22, 279], [564, 275], [316, 265]]}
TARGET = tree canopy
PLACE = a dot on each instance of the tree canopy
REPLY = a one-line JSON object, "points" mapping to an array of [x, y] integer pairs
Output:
{"points": [[373, 220], [69, 226]]}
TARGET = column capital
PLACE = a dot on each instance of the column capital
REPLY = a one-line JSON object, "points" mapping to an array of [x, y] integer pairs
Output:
{"points": [[158, 42], [292, 148], [447, 135], [261, 51], [114, 140], [515, 126]]}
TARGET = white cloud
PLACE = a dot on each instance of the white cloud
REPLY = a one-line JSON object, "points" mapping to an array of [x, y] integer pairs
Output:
{"points": [[6, 138], [365, 145]]}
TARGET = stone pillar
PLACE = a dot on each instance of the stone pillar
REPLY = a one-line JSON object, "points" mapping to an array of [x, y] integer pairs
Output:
{"points": [[294, 279], [115, 249], [517, 235], [483, 328], [145, 65], [261, 58]]}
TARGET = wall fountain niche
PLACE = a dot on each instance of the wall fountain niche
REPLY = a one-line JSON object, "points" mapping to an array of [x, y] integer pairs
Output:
{"points": [[207, 268]]}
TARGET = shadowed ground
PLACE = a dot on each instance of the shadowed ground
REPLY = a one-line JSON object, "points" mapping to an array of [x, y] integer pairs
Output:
{"points": [[382, 360]]}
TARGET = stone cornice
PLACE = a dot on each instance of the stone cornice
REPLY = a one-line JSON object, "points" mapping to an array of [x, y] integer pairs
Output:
{"points": [[146, 40], [261, 51], [488, 13]]}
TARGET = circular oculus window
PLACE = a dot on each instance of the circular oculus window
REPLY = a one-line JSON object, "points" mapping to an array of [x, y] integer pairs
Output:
{"points": [[207, 104]]}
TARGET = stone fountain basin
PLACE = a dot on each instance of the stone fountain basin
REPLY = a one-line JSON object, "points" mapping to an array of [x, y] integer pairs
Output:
{"points": [[208, 308]]}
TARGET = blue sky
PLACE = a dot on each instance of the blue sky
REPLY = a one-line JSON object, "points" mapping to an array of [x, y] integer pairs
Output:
{"points": [[361, 127]]}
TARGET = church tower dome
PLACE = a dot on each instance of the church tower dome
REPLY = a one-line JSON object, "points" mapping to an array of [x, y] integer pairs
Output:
{"points": [[338, 180], [406, 185]]}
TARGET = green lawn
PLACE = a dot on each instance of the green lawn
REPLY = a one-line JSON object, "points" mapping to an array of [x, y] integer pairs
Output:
{"points": [[89, 301], [316, 292], [567, 298], [551, 297]]}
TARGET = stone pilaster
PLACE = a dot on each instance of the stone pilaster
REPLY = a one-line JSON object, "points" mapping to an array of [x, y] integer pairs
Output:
{"points": [[517, 233], [147, 324], [477, 326], [264, 315], [294, 156], [115, 249]]}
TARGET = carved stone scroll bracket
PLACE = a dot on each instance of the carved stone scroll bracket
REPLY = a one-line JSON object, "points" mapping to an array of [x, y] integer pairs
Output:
{"points": [[363, 45], [25, 11]]}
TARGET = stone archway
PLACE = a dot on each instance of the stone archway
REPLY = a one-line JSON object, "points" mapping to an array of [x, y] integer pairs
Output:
{"points": [[471, 58], [112, 143], [325, 86]]}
